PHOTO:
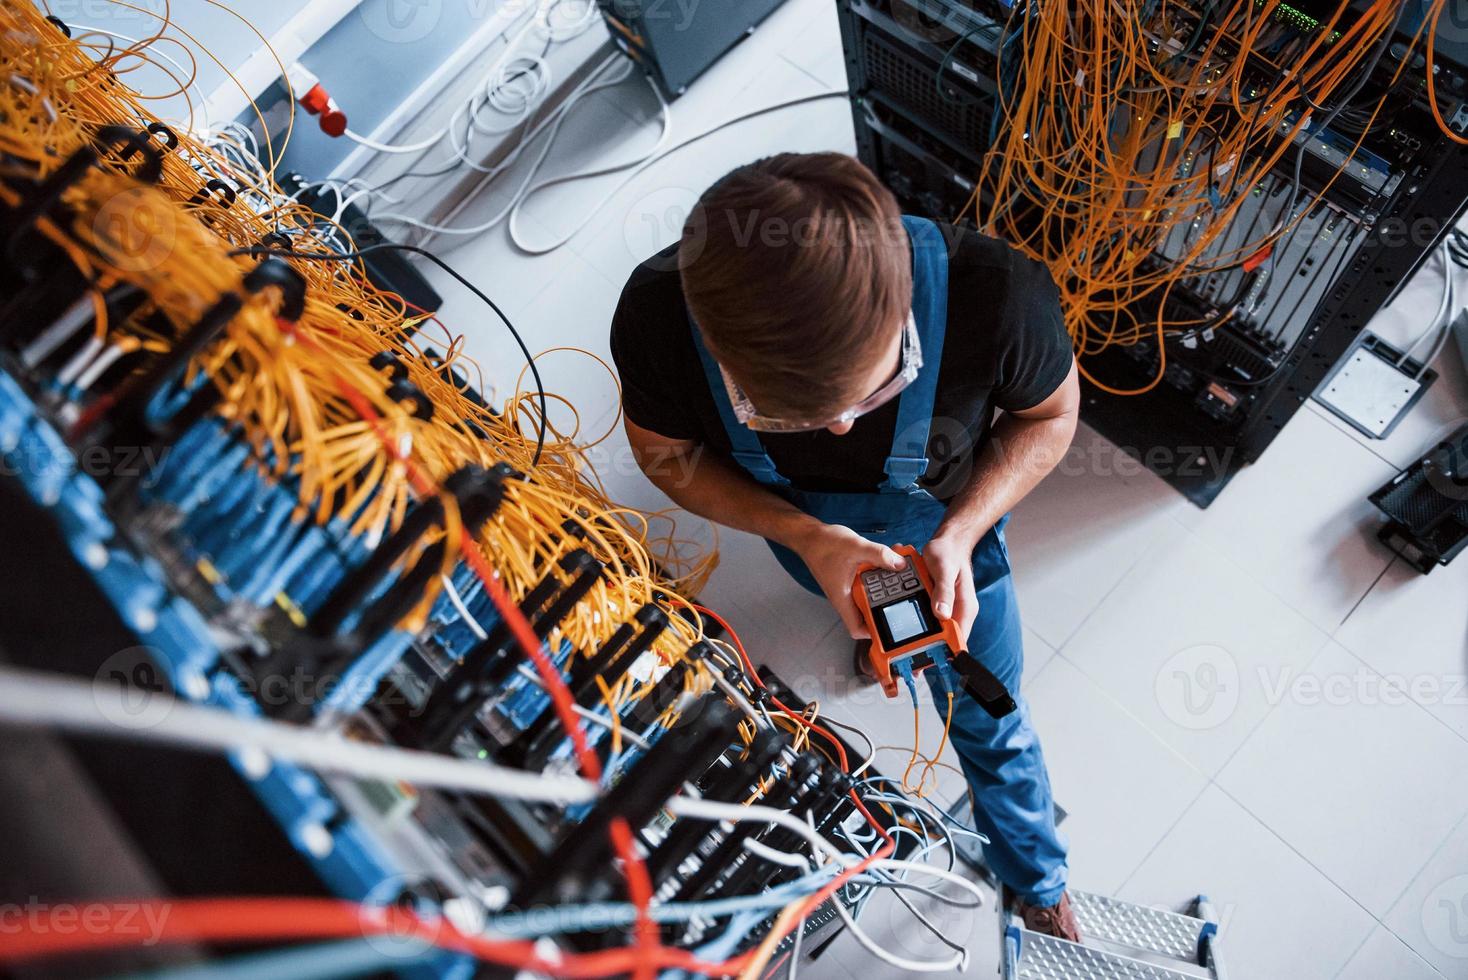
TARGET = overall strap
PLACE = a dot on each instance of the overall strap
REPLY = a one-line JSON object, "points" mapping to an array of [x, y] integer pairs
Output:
{"points": [[908, 459], [748, 451]]}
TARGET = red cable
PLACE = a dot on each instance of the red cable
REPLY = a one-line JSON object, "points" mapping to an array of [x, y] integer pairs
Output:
{"points": [[254, 920], [639, 886], [89, 416], [224, 920], [888, 845], [639, 883]]}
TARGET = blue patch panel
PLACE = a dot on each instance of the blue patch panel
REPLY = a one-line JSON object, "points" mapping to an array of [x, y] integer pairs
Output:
{"points": [[349, 860]]}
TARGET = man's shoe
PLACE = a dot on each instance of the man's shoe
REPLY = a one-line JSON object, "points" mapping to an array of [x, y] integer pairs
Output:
{"points": [[1057, 920]]}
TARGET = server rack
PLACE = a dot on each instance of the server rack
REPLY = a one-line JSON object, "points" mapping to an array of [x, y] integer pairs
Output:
{"points": [[925, 77]]}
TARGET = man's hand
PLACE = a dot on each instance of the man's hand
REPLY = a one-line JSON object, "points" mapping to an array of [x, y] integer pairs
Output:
{"points": [[950, 562], [834, 554]]}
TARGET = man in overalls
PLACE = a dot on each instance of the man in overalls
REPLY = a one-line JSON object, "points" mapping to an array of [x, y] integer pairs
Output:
{"points": [[809, 365]]}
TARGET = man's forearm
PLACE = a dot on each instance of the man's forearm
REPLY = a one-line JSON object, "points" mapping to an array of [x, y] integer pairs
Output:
{"points": [[1019, 454], [712, 487]]}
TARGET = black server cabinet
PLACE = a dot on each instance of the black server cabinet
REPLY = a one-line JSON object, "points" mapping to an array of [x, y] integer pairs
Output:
{"points": [[925, 77]]}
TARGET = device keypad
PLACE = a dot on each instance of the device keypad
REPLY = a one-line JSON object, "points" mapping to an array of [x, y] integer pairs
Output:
{"points": [[886, 586]]}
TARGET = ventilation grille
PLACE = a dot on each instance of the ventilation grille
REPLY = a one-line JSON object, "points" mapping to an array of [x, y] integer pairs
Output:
{"points": [[908, 80]]}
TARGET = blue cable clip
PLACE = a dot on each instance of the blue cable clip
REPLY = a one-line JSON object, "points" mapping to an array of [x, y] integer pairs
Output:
{"points": [[904, 670]]}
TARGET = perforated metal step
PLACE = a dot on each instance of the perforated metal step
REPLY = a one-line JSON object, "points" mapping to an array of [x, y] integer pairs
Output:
{"points": [[1043, 957], [1122, 941], [1137, 926]]}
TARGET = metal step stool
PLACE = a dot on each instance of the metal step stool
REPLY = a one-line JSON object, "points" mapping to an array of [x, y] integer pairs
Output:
{"points": [[1122, 942]]}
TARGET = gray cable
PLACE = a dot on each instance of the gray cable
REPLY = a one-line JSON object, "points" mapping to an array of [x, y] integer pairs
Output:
{"points": [[38, 699]]}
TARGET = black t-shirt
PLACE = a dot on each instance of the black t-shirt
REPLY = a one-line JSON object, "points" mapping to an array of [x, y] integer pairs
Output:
{"points": [[1006, 348]]}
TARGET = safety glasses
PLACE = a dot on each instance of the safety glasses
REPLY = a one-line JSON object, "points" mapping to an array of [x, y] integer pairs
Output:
{"points": [[907, 371]]}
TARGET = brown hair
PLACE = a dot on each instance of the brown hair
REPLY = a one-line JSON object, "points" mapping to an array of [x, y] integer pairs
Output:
{"points": [[798, 273]]}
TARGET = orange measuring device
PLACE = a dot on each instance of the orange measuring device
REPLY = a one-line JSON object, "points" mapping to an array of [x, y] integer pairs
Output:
{"points": [[898, 609]]}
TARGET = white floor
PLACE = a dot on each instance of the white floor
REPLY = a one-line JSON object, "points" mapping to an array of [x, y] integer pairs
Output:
{"points": [[1254, 701]]}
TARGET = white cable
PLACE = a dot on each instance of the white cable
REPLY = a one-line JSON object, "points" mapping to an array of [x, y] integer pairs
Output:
{"points": [[519, 84], [428, 143], [1449, 306], [735, 813], [633, 168], [1445, 313], [528, 672], [463, 610], [871, 746], [155, 50], [96, 369], [784, 858], [39, 699], [916, 867], [78, 315], [898, 883], [576, 27], [553, 121], [78, 362], [372, 144], [499, 89], [955, 962], [26, 85], [1443, 307], [795, 945], [649, 161], [461, 151], [933, 813]]}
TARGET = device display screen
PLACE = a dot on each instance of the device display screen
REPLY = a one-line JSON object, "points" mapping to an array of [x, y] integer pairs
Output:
{"points": [[904, 620]]}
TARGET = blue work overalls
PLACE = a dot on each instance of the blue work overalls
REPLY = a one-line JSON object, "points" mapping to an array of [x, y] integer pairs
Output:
{"points": [[1001, 758]]}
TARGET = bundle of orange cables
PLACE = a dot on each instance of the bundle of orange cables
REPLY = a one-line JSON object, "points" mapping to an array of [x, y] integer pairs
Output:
{"points": [[1104, 110], [302, 391]]}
